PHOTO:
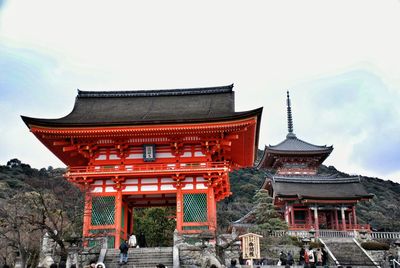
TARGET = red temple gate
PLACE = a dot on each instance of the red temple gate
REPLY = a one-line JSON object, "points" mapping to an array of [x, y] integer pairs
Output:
{"points": [[133, 149]]}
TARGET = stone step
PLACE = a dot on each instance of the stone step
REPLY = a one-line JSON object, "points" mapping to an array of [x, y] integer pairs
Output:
{"points": [[140, 257], [348, 253]]}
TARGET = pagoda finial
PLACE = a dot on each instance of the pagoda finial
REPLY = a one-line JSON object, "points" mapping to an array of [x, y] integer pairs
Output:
{"points": [[289, 117]]}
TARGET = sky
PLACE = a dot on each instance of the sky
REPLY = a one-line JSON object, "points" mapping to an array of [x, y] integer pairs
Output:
{"points": [[340, 60]]}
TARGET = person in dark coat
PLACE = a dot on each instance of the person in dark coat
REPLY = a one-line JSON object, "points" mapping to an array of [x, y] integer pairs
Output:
{"points": [[289, 260], [324, 256], [233, 263], [283, 258], [301, 254], [123, 256]]}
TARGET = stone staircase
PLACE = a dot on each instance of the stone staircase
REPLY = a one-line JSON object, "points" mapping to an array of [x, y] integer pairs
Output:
{"points": [[348, 253], [140, 258]]}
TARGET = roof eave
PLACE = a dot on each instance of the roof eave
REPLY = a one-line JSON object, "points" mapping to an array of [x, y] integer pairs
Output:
{"points": [[29, 121]]}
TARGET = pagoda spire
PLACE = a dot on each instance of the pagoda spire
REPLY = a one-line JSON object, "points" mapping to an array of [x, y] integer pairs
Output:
{"points": [[289, 118]]}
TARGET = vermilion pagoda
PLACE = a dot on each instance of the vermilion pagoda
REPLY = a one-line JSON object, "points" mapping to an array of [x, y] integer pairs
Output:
{"points": [[305, 198], [130, 149]]}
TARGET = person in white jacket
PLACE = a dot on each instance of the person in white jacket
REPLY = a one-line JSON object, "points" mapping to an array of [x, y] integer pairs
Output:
{"points": [[132, 241]]}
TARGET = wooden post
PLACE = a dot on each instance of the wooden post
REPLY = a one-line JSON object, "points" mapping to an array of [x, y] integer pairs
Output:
{"points": [[133, 221], [292, 215], [350, 221], [179, 208], [287, 214], [316, 218], [87, 216], [354, 215], [343, 218], [336, 220], [117, 220], [309, 217], [211, 208]]}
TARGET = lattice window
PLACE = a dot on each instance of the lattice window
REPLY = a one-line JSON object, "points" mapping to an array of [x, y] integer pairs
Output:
{"points": [[195, 207], [103, 210]]}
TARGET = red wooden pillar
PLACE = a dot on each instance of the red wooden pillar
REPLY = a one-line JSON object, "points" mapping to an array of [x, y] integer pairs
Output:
{"points": [[332, 225], [316, 225], [343, 218], [117, 219], [212, 209], [336, 220], [292, 215], [179, 208], [309, 217], [126, 211], [354, 215], [133, 221], [87, 215], [287, 214], [350, 221]]}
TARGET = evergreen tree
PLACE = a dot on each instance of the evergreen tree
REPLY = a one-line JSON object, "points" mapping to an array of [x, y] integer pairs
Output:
{"points": [[266, 217]]}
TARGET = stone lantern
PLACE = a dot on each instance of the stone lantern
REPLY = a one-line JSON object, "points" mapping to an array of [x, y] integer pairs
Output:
{"points": [[312, 234]]}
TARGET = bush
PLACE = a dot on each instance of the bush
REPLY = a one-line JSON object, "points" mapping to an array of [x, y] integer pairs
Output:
{"points": [[316, 244], [374, 245]]}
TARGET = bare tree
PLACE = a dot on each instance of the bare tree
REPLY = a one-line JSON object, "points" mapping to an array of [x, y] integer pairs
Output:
{"points": [[16, 233]]}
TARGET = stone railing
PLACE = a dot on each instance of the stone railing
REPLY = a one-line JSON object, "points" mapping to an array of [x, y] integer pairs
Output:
{"points": [[385, 235], [334, 234]]}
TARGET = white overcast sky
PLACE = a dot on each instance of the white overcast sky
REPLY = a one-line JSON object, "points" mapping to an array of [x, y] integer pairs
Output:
{"points": [[339, 59]]}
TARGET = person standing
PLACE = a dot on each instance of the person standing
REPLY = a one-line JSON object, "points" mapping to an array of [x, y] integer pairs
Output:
{"points": [[132, 241], [318, 254], [311, 258], [282, 258], [301, 256], [290, 259], [123, 256]]}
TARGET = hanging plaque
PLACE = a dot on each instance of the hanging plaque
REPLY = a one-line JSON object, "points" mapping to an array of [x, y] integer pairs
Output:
{"points": [[149, 152]]}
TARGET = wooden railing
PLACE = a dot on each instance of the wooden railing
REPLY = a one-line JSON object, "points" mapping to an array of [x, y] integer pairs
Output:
{"points": [[147, 168]]}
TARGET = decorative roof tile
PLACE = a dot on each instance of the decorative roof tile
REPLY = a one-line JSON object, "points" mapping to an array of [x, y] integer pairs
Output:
{"points": [[155, 93]]}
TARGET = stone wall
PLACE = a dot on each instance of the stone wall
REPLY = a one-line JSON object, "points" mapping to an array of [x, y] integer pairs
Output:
{"points": [[195, 252]]}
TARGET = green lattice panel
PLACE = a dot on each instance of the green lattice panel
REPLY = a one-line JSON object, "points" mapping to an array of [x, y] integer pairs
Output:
{"points": [[103, 210], [195, 207], [189, 228]]}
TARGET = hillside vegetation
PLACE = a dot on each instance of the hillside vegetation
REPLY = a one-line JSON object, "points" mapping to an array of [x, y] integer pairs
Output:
{"points": [[382, 212], [33, 202]]}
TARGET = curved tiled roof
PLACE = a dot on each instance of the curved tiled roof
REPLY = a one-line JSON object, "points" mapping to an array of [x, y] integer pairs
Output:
{"points": [[101, 108], [353, 190], [318, 187], [293, 144]]}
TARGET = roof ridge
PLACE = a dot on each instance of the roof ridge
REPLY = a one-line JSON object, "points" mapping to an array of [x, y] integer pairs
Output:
{"points": [[155, 92], [311, 143], [333, 178], [300, 140]]}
